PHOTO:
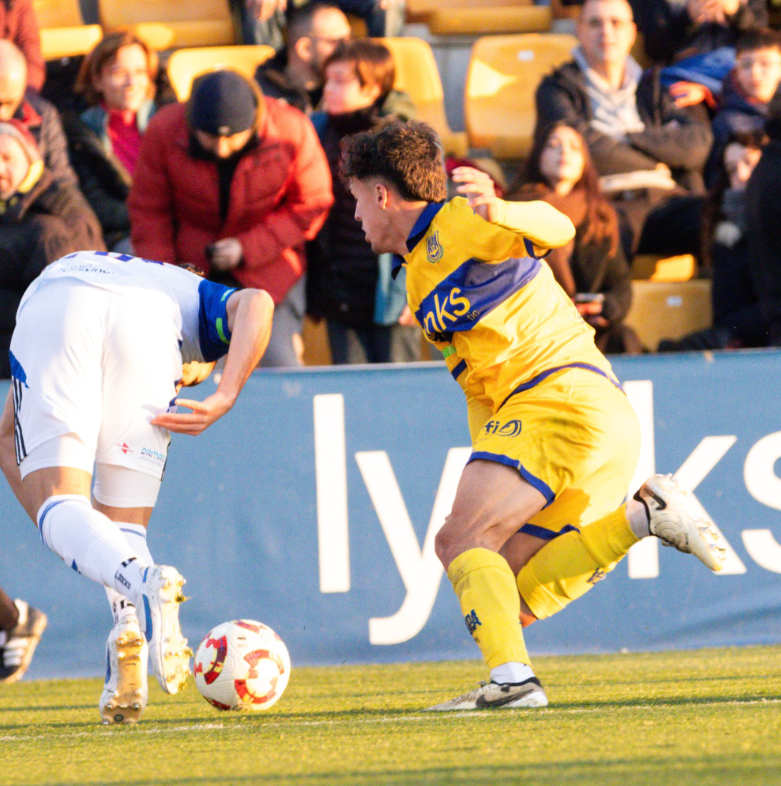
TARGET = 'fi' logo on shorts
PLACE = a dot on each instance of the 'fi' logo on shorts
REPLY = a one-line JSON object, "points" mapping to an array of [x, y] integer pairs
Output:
{"points": [[434, 249]]}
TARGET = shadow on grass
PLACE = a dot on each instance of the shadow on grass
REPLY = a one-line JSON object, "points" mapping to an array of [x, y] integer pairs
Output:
{"points": [[685, 770]]}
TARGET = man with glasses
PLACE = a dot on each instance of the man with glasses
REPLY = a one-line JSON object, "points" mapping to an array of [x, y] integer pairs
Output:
{"points": [[295, 74], [633, 130]]}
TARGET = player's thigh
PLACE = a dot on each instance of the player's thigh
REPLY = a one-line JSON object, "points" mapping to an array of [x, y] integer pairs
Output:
{"points": [[141, 366], [490, 500], [56, 353]]}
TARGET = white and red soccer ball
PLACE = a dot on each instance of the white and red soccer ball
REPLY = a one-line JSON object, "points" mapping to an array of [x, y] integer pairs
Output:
{"points": [[242, 665]]}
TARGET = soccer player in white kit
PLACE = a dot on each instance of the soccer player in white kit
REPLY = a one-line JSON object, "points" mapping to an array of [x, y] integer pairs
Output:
{"points": [[98, 355]]}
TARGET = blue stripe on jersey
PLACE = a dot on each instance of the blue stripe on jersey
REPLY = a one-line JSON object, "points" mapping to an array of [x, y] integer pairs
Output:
{"points": [[17, 372], [458, 369], [213, 332], [471, 291]]}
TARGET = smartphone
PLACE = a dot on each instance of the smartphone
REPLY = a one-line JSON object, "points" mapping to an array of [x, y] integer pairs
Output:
{"points": [[589, 297]]}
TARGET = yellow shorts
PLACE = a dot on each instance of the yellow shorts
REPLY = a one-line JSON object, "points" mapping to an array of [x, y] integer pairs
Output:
{"points": [[575, 438]]}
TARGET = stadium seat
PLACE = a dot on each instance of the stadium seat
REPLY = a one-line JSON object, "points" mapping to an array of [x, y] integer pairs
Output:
{"points": [[63, 32], [669, 310], [469, 17], [504, 72], [185, 64], [171, 23], [418, 75], [656, 268]]}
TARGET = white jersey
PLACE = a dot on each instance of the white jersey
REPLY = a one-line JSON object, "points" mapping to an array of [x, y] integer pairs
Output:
{"points": [[200, 318], [97, 352]]}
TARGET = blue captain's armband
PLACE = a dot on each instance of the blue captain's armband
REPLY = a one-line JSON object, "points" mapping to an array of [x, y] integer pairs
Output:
{"points": [[213, 332]]}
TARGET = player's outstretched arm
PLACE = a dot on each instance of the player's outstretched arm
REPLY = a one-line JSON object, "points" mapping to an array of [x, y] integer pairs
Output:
{"points": [[250, 313], [539, 222]]}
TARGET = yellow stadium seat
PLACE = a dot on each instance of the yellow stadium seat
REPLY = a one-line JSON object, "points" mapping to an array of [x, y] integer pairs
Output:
{"points": [[490, 19], [63, 32], [176, 23], [669, 310], [504, 72], [185, 64], [656, 268], [418, 75]]}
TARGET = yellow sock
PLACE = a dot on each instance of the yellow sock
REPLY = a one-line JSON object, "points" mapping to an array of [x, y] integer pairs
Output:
{"points": [[489, 599], [570, 565]]}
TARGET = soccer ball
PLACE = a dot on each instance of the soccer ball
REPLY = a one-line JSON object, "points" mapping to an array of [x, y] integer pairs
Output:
{"points": [[242, 665]]}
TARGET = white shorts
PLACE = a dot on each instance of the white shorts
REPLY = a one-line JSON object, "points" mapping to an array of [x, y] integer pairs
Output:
{"points": [[97, 365]]}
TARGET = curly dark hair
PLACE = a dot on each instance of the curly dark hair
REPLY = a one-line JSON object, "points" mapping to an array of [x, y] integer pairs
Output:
{"points": [[408, 156]]}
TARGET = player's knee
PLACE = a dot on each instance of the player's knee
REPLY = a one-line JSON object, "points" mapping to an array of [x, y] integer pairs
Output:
{"points": [[449, 541]]}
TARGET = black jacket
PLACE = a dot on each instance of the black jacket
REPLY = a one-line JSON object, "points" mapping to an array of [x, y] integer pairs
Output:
{"points": [[342, 269], [669, 34], [48, 222], [670, 135], [103, 178]]}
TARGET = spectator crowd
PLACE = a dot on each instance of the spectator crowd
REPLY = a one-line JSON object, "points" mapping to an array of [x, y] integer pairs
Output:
{"points": [[679, 153]]}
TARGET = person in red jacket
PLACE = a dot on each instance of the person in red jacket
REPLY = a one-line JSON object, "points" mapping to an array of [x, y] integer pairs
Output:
{"points": [[234, 182]]}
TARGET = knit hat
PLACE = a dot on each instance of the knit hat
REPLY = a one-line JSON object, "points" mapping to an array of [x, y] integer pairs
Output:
{"points": [[19, 132], [223, 104]]}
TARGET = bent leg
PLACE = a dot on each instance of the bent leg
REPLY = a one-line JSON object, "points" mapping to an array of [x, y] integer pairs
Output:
{"points": [[490, 502]]}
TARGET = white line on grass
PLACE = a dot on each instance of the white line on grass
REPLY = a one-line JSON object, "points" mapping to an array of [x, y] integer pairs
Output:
{"points": [[196, 727]]}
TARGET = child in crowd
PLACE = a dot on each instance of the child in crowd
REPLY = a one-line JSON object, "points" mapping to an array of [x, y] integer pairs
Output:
{"points": [[747, 93]]}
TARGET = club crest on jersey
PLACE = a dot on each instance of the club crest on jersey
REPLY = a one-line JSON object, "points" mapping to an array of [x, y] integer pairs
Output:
{"points": [[434, 249]]}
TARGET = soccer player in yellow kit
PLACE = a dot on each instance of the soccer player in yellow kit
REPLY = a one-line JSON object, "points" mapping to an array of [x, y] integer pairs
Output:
{"points": [[538, 517]]}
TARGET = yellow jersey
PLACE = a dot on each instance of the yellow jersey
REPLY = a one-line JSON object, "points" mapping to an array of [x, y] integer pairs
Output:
{"points": [[490, 304]]}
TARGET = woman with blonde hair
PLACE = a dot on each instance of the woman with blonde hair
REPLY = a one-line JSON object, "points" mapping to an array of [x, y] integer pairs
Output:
{"points": [[117, 79]]}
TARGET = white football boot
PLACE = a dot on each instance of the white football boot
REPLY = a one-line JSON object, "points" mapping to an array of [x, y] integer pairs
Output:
{"points": [[125, 692], [671, 521], [491, 695], [169, 654]]}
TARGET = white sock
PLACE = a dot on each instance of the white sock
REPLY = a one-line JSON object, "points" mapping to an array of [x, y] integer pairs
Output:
{"points": [[90, 543], [637, 514], [135, 535], [511, 672]]}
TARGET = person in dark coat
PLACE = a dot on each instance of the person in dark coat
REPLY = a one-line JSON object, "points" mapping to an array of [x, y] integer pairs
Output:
{"points": [[118, 81], [592, 269], [295, 74], [40, 221], [343, 270], [763, 196], [633, 129], [674, 30]]}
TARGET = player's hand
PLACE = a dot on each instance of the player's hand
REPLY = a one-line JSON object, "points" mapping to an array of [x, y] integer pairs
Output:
{"points": [[226, 254], [689, 94], [203, 414], [479, 189]]}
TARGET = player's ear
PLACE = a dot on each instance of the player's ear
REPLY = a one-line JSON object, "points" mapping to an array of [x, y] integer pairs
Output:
{"points": [[303, 48], [381, 195]]}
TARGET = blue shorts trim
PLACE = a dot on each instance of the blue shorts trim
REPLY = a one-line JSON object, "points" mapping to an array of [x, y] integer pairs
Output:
{"points": [[545, 374], [546, 534], [499, 458]]}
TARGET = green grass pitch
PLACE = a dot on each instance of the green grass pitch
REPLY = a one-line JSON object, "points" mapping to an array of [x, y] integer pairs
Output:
{"points": [[704, 717]]}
